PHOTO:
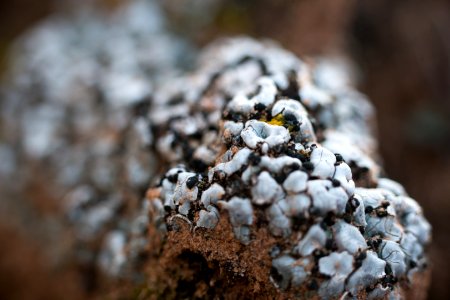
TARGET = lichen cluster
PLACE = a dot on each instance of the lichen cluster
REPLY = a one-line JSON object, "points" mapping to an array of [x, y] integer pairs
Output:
{"points": [[72, 118], [254, 135], [260, 137]]}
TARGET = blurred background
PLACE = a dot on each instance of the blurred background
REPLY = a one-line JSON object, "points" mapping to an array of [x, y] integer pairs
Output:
{"points": [[401, 50]]}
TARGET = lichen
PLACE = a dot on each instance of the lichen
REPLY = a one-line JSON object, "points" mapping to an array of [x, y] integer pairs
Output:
{"points": [[318, 197]]}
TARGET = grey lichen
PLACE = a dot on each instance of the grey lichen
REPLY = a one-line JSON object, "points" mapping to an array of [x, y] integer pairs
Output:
{"points": [[254, 135], [274, 145], [257, 133], [344, 234], [370, 272], [348, 237], [314, 239], [266, 190], [286, 271], [241, 217], [74, 106], [337, 266]]}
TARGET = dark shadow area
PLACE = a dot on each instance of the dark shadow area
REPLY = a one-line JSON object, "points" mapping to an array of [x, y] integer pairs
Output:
{"points": [[403, 50]]}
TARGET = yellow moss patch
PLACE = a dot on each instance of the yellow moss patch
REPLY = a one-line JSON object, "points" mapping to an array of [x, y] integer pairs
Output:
{"points": [[277, 120]]}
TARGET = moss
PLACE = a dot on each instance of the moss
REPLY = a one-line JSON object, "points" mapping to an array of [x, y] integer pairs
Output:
{"points": [[277, 120]]}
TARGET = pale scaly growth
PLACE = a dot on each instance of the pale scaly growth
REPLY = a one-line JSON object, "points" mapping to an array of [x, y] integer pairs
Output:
{"points": [[293, 154]]}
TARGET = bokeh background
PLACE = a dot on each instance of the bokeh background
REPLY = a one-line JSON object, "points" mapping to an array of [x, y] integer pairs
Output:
{"points": [[401, 50]]}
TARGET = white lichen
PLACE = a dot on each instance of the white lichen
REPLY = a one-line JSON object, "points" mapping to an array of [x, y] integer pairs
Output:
{"points": [[287, 272], [295, 182], [348, 237], [266, 190], [256, 133], [240, 211], [371, 270], [314, 239]]}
